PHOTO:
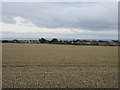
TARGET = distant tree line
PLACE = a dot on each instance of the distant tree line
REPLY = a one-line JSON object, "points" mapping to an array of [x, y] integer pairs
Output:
{"points": [[70, 42]]}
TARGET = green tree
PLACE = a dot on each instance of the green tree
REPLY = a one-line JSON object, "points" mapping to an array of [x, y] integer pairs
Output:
{"points": [[54, 40], [42, 40]]}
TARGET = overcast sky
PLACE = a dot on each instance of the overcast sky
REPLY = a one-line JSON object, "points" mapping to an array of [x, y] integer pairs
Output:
{"points": [[60, 20]]}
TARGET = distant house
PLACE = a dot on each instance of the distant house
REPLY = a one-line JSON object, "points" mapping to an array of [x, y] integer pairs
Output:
{"points": [[65, 42], [114, 43], [103, 43], [76, 42], [87, 42], [94, 42], [79, 42], [33, 41], [26, 41]]}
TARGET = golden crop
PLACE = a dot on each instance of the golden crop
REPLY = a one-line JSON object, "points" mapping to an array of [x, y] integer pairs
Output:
{"points": [[59, 66]]}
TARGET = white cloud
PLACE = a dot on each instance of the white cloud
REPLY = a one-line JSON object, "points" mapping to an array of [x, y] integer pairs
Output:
{"points": [[23, 25], [24, 28], [18, 20], [21, 21]]}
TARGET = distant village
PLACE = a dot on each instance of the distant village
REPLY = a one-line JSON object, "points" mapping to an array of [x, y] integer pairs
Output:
{"points": [[70, 42]]}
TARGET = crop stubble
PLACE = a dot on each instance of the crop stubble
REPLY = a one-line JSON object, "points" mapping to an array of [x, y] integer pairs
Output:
{"points": [[59, 66]]}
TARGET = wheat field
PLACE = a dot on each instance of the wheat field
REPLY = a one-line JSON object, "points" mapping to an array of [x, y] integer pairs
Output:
{"points": [[59, 66]]}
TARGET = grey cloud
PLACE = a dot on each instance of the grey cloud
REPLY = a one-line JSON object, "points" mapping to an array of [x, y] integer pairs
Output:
{"points": [[90, 16]]}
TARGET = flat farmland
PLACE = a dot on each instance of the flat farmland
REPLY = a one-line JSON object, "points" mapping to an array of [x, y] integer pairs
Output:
{"points": [[59, 66]]}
